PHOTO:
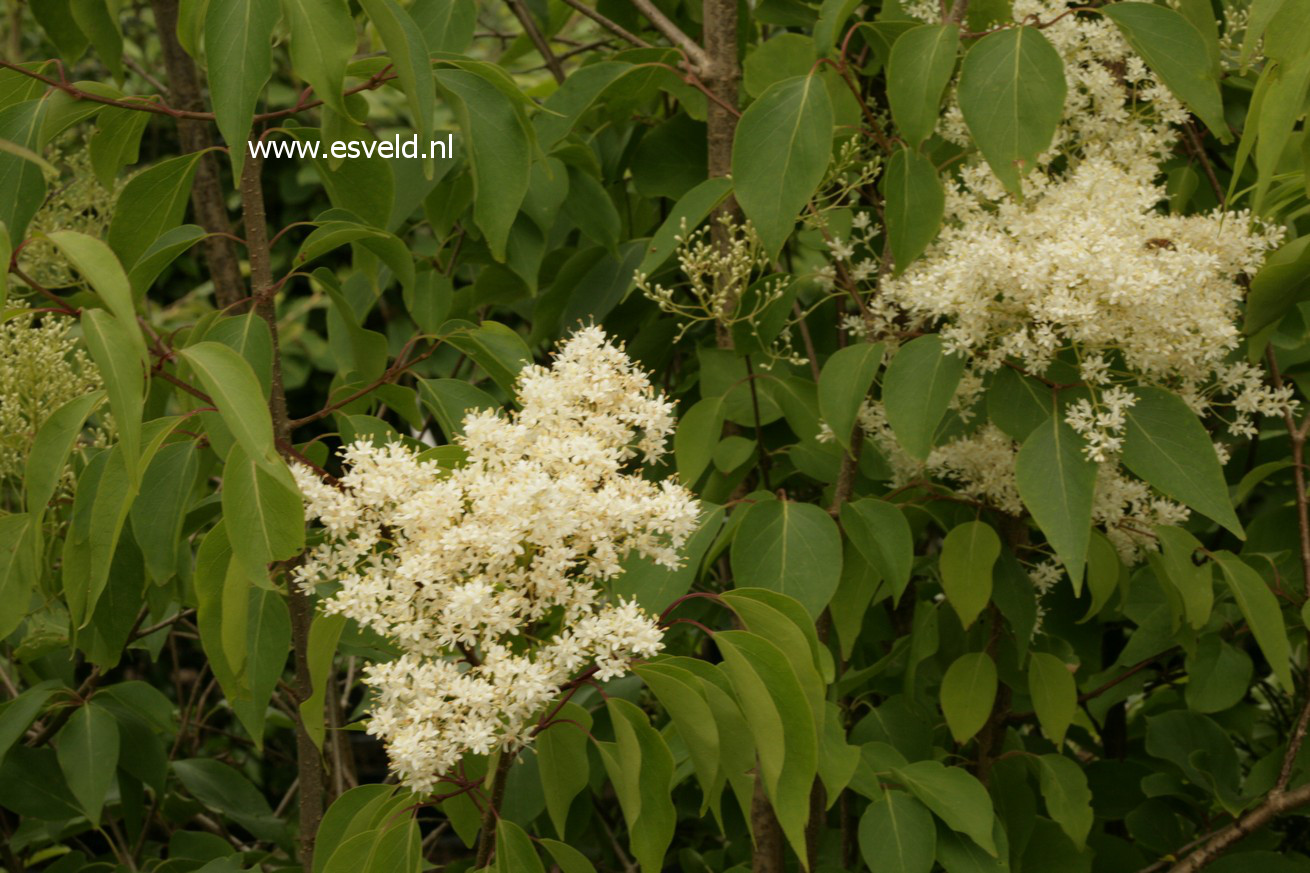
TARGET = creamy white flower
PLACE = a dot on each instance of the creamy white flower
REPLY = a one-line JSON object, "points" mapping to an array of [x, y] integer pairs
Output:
{"points": [[488, 575]]}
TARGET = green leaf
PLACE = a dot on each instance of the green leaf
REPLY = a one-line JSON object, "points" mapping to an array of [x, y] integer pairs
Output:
{"points": [[917, 390], [117, 142], [1218, 675], [682, 695], [239, 55], [151, 204], [99, 21], [1054, 694], [160, 254], [114, 348], [687, 214], [451, 400], [920, 68], [915, 202], [514, 851], [333, 234], [642, 771], [1194, 582], [1260, 608], [232, 385], [19, 548], [1176, 51], [499, 151], [357, 810], [1201, 749], [49, 455], [968, 554], [56, 19], [22, 183], [1011, 93], [497, 349], [88, 755], [781, 723], [394, 845], [1166, 445], [780, 153], [158, 514], [882, 534], [897, 835], [1058, 483], [324, 632], [322, 43], [844, 382], [696, 438], [447, 25], [1282, 105], [96, 262], [654, 586], [224, 789], [562, 762], [569, 859], [1280, 284], [1068, 799], [793, 548], [265, 514], [954, 796], [17, 715], [590, 207], [967, 694]]}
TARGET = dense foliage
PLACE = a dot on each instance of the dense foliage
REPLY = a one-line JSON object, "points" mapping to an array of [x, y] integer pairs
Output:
{"points": [[765, 436]]}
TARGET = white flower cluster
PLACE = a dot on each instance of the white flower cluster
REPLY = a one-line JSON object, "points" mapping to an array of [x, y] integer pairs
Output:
{"points": [[41, 369], [486, 575]]}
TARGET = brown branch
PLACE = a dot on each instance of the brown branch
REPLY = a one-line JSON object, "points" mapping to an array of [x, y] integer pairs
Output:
{"points": [[392, 372], [612, 26], [208, 199], [490, 815], [696, 56], [539, 41], [1275, 804]]}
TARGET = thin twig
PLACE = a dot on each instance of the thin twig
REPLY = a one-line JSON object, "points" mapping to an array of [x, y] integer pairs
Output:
{"points": [[612, 26], [699, 59]]}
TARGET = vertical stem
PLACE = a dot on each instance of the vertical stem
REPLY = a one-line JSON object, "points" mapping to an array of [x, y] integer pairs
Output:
{"points": [[721, 76], [487, 841], [207, 196], [768, 857], [309, 763]]}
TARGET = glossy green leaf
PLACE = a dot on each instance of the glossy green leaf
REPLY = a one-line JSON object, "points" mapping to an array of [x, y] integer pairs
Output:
{"points": [[229, 381], [968, 554], [116, 351], [1176, 51], [151, 204], [239, 53], [514, 850], [897, 835], [1011, 93], [322, 43], [265, 514], [499, 150], [697, 436], [792, 548], [780, 153], [917, 390], [1054, 694], [18, 568], [1057, 483], [117, 142], [17, 715], [98, 20], [967, 694], [844, 382], [88, 754], [563, 763], [54, 441], [159, 254], [920, 68], [1260, 608], [1279, 285], [324, 632], [569, 859], [224, 789], [22, 183], [642, 772], [882, 534], [956, 797], [1194, 582], [914, 202], [1166, 445]]}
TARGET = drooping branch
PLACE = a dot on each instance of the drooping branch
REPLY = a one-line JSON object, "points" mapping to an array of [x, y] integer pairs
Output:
{"points": [[538, 41]]}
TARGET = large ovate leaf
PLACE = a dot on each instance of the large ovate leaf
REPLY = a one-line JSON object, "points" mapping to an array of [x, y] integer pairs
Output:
{"points": [[88, 753], [914, 202], [1176, 51], [1011, 93], [921, 64], [1166, 445], [897, 835], [1057, 483], [792, 548], [1054, 694], [968, 554], [151, 204], [779, 154], [321, 44], [844, 383], [967, 694], [956, 797], [917, 390], [1260, 608], [239, 50]]}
